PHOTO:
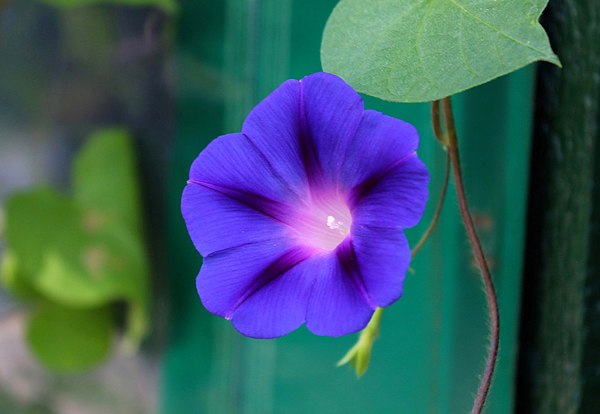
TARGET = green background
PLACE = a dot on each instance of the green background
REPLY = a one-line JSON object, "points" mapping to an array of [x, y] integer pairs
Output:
{"points": [[433, 341]]}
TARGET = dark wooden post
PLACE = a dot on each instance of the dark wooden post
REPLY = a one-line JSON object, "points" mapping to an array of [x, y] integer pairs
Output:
{"points": [[559, 370]]}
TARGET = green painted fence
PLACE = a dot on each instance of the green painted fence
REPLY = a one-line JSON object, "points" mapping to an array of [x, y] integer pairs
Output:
{"points": [[433, 341]]}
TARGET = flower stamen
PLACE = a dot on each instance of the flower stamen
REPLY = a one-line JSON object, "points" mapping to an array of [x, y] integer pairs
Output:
{"points": [[334, 224], [325, 224]]}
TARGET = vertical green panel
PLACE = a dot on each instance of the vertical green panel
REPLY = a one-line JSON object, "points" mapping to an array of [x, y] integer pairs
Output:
{"points": [[433, 340], [187, 386]]}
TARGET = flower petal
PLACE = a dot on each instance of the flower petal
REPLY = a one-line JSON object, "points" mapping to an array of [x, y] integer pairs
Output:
{"points": [[379, 143], [383, 257], [305, 128], [233, 162], [339, 304], [395, 199], [273, 126], [280, 306], [230, 277], [330, 115], [216, 221]]}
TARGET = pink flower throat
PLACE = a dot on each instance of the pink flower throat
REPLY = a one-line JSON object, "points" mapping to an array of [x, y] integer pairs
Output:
{"points": [[325, 223]]}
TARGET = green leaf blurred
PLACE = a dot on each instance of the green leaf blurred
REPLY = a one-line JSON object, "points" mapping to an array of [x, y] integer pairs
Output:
{"points": [[86, 251], [105, 179], [39, 219], [70, 256], [13, 280], [423, 50], [70, 340], [169, 6], [106, 184]]}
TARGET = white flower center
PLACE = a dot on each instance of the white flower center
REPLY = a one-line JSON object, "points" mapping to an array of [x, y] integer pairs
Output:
{"points": [[326, 224], [337, 225]]}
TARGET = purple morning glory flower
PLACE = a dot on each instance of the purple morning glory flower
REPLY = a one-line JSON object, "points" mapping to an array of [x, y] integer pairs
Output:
{"points": [[300, 216]]}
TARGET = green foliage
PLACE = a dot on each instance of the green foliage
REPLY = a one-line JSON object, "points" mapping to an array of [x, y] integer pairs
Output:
{"points": [[35, 220], [69, 340], [13, 280], [84, 252], [423, 50], [169, 6], [109, 154]]}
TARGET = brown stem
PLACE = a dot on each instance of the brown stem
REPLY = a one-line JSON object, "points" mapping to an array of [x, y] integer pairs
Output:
{"points": [[438, 210], [435, 122], [485, 273]]}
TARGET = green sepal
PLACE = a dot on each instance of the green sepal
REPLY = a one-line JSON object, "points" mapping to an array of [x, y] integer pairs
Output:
{"points": [[359, 355]]}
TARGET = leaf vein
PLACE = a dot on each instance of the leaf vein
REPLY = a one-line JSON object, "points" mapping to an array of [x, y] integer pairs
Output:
{"points": [[506, 35]]}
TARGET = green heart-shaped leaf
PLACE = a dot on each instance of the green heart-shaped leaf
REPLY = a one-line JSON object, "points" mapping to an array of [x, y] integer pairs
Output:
{"points": [[423, 50], [70, 340]]}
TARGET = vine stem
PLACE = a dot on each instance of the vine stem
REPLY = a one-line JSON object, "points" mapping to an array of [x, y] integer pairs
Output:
{"points": [[451, 142], [439, 134], [438, 211]]}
